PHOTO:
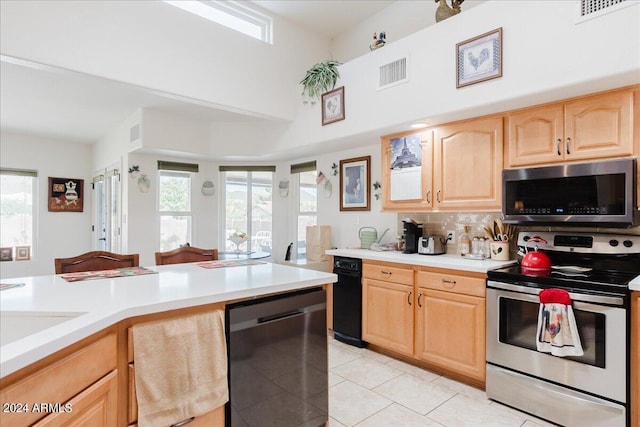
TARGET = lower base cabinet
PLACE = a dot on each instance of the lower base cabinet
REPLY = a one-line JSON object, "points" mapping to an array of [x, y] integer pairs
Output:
{"points": [[450, 331]]}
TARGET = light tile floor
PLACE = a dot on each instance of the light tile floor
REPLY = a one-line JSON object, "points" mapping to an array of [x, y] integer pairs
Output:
{"points": [[368, 389]]}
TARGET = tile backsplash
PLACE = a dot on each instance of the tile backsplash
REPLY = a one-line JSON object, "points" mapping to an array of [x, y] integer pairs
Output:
{"points": [[438, 223]]}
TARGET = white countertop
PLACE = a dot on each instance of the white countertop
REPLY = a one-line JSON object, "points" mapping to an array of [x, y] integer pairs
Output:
{"points": [[634, 285], [105, 302], [455, 262]]}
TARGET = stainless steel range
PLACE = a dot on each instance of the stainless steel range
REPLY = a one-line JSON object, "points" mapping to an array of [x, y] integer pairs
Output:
{"points": [[587, 390]]}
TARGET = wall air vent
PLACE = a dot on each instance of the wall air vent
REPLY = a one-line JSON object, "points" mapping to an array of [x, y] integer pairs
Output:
{"points": [[134, 133], [594, 8], [393, 73]]}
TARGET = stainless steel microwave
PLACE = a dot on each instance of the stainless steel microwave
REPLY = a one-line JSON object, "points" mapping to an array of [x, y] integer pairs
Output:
{"points": [[592, 194]]}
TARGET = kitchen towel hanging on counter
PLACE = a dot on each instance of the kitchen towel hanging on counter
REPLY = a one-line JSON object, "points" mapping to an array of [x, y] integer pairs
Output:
{"points": [[180, 368], [318, 241], [557, 332]]}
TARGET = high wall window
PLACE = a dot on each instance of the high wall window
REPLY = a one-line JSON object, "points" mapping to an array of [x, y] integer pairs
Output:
{"points": [[236, 15], [305, 176], [17, 208], [248, 203], [174, 203]]}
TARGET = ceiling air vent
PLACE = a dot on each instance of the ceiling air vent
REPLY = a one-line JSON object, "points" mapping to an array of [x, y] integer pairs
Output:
{"points": [[594, 8], [393, 73]]}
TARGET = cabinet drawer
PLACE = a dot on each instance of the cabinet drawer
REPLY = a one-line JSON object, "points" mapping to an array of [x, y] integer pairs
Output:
{"points": [[61, 380], [385, 273], [96, 406], [452, 283]]}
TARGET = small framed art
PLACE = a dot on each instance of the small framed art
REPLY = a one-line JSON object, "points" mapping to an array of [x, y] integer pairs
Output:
{"points": [[6, 254], [355, 190], [66, 195], [333, 106], [23, 253], [479, 59]]}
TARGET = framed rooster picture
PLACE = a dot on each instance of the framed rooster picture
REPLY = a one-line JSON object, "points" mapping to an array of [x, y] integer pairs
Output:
{"points": [[66, 195], [479, 59]]}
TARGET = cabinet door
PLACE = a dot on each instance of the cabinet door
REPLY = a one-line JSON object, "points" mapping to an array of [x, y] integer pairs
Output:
{"points": [[599, 126], [450, 331], [535, 136], [96, 406], [407, 171], [468, 165], [387, 315]]}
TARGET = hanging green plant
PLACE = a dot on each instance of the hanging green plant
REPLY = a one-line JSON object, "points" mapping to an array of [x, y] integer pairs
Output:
{"points": [[320, 78]]}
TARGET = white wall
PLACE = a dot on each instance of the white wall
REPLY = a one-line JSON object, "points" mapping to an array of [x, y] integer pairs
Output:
{"points": [[58, 234], [154, 45]]}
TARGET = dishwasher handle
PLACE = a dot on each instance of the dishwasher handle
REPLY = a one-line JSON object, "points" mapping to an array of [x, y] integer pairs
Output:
{"points": [[280, 316]]}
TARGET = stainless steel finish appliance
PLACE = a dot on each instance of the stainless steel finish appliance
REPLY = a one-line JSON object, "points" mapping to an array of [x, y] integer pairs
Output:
{"points": [[432, 245], [347, 301], [589, 390], [277, 355], [573, 194]]}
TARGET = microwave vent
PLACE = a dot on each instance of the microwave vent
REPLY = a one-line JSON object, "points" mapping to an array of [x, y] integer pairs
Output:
{"points": [[393, 73]]}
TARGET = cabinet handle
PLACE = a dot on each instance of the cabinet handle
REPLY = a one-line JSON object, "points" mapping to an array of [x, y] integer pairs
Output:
{"points": [[428, 195], [419, 296], [183, 423], [558, 142], [448, 283], [387, 273], [568, 145], [438, 196], [409, 297]]}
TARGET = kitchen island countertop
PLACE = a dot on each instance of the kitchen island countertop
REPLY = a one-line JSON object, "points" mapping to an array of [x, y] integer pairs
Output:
{"points": [[91, 305], [454, 262], [634, 285]]}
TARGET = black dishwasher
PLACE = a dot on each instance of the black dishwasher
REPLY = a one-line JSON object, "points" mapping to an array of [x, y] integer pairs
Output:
{"points": [[277, 356], [347, 301]]}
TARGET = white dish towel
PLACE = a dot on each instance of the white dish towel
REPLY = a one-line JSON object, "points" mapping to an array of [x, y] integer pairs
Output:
{"points": [[557, 332]]}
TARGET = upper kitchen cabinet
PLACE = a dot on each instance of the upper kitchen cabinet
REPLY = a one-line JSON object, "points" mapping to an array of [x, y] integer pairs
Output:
{"points": [[407, 171], [592, 127], [467, 165]]}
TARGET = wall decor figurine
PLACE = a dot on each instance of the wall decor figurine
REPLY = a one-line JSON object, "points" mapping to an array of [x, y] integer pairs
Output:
{"points": [[66, 195], [379, 40], [445, 11]]}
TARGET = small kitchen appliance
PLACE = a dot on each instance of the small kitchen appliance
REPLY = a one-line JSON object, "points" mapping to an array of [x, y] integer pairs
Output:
{"points": [[592, 389], [412, 232], [432, 245]]}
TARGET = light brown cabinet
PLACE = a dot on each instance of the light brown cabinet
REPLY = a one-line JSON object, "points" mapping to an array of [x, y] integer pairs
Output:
{"points": [[467, 165], [69, 395], [397, 200], [387, 314], [461, 168], [593, 127], [450, 322]]}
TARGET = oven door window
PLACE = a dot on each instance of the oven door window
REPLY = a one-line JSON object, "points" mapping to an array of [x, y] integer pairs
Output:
{"points": [[519, 320]]}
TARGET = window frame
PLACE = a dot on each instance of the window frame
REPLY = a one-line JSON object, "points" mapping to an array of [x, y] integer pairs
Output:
{"points": [[33, 174], [296, 171], [189, 213]]}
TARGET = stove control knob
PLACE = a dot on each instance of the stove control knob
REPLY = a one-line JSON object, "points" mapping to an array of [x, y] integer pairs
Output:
{"points": [[627, 243], [613, 242]]}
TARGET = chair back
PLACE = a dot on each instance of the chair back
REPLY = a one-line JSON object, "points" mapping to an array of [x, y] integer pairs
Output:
{"points": [[186, 254], [94, 261]]}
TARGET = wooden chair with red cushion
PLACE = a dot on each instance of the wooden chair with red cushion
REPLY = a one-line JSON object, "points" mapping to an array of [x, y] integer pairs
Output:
{"points": [[95, 261], [186, 254]]}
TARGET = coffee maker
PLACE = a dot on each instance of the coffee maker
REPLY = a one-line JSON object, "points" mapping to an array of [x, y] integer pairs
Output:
{"points": [[412, 232]]}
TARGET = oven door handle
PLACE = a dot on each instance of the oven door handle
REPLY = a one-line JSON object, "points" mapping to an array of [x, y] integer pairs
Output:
{"points": [[596, 299]]}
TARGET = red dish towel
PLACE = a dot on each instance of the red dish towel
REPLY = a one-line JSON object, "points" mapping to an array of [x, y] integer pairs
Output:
{"points": [[557, 332]]}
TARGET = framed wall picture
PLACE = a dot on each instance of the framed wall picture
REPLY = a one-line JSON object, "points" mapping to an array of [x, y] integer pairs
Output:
{"points": [[23, 253], [479, 59], [355, 190], [66, 195], [6, 254], [333, 106]]}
